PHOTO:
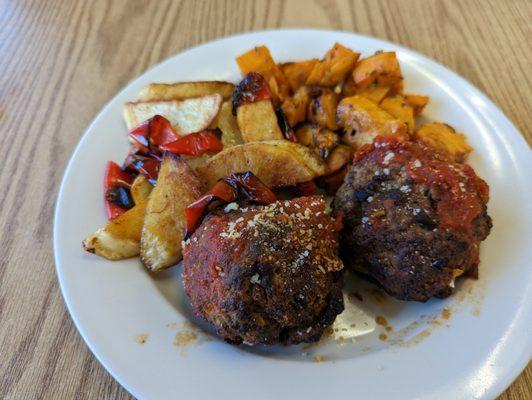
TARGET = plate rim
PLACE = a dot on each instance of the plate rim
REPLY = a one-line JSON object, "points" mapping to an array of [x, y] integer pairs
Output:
{"points": [[513, 141]]}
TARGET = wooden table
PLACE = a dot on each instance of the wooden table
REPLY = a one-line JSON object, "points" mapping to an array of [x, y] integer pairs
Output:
{"points": [[61, 61]]}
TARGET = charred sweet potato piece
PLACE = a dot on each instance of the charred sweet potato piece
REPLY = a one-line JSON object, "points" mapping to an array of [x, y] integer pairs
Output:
{"points": [[297, 73], [322, 110], [334, 67], [445, 140], [381, 69], [295, 107]]}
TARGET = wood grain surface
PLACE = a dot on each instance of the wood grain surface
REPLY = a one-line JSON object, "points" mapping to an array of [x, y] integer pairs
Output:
{"points": [[61, 61]]}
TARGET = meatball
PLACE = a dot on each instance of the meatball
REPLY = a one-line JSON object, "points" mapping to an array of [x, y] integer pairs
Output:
{"points": [[266, 274], [413, 220]]}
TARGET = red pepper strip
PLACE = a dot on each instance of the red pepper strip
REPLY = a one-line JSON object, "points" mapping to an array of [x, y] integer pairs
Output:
{"points": [[195, 144], [114, 176], [152, 133], [306, 188], [145, 165], [242, 186], [251, 89]]}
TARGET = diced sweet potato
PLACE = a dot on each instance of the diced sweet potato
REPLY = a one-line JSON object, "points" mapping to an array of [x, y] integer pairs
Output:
{"points": [[295, 108], [363, 120], [335, 66], [260, 60], [445, 140], [339, 157], [375, 93], [297, 73], [322, 110], [417, 102], [381, 69], [397, 107]]}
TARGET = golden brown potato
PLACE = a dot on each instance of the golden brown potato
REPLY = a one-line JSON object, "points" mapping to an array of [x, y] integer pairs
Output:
{"points": [[120, 238], [363, 120], [445, 140], [227, 123], [397, 107], [275, 162], [335, 66], [257, 121], [162, 233], [297, 73], [380, 69], [140, 189], [185, 90], [417, 102], [186, 116], [322, 110], [260, 60]]}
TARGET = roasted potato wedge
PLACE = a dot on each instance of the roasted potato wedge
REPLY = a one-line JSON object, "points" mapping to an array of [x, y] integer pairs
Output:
{"points": [[227, 123], [140, 188], [275, 162], [398, 107], [380, 69], [260, 60], [417, 102], [297, 73], [186, 116], [335, 66], [185, 90], [120, 238], [444, 139], [257, 121], [363, 120], [164, 224]]}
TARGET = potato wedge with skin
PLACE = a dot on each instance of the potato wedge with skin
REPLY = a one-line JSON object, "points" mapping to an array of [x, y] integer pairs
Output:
{"points": [[120, 238], [227, 123], [186, 116], [140, 188], [334, 67], [164, 224], [444, 139], [257, 121], [297, 73], [417, 102], [398, 107], [275, 162], [185, 90], [363, 120]]}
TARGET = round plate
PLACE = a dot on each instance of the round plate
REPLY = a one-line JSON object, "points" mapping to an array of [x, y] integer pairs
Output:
{"points": [[471, 345]]}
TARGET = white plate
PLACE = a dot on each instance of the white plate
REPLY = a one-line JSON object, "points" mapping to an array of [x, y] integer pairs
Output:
{"points": [[475, 353]]}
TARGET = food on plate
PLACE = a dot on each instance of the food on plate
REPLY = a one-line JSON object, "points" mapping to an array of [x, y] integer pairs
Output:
{"points": [[337, 63], [275, 162], [417, 102], [177, 186], [322, 110], [255, 115], [380, 69], [185, 90], [444, 139], [120, 238], [265, 274], [297, 73], [398, 107], [186, 116], [363, 120], [413, 219], [226, 122]]}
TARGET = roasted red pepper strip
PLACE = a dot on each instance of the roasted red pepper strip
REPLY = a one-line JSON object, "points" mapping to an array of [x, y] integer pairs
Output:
{"points": [[151, 134], [195, 144], [242, 186], [251, 89], [114, 176], [147, 165]]}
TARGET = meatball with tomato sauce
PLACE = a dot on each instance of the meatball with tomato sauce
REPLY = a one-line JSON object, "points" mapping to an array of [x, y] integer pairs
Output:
{"points": [[413, 220], [266, 274]]}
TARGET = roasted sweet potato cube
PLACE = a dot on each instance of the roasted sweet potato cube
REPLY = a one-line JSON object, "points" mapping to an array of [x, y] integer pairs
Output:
{"points": [[297, 73], [380, 69], [295, 108], [260, 60], [335, 66], [322, 110], [398, 107], [374, 93], [417, 102], [363, 120], [445, 140]]}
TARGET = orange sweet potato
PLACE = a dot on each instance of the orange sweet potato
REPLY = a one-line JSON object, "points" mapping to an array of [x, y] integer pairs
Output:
{"points": [[444, 139], [398, 107], [417, 102], [295, 108], [322, 110], [297, 73], [374, 93], [260, 60], [333, 69], [381, 69]]}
